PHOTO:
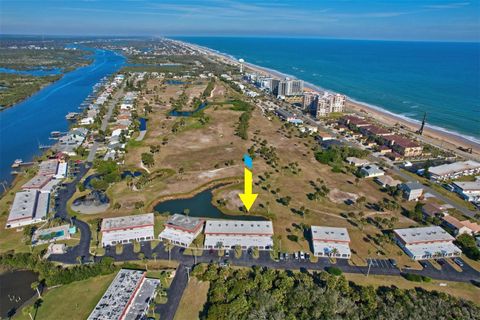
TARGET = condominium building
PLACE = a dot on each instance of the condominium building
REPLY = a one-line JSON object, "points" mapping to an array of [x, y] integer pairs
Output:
{"points": [[426, 243], [454, 170], [331, 242], [181, 230], [404, 146], [29, 207], [127, 298], [227, 234], [461, 226], [127, 229], [289, 87], [321, 105], [412, 190], [468, 190]]}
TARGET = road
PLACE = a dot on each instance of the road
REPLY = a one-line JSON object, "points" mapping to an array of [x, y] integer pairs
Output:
{"points": [[118, 94]]}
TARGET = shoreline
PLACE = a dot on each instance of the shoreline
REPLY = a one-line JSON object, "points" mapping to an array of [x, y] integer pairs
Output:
{"points": [[434, 135]]}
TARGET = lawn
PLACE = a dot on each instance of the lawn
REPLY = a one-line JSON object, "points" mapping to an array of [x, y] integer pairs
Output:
{"points": [[76, 299], [458, 289], [193, 299]]}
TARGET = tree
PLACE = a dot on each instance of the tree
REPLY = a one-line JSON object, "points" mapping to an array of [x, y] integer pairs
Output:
{"points": [[154, 255], [186, 212], [143, 258], [28, 310], [147, 159]]}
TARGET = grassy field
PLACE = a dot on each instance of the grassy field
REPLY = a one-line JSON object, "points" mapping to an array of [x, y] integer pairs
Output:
{"points": [[458, 289], [76, 299], [193, 299]]}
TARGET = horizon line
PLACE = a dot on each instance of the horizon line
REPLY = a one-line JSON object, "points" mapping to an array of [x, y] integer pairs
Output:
{"points": [[477, 41]]}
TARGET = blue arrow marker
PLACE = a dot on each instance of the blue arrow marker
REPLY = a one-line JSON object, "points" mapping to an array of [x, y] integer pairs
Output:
{"points": [[248, 161]]}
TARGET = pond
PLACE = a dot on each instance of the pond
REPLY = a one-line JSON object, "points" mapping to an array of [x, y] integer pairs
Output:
{"points": [[143, 124], [201, 205], [177, 82], [175, 113], [15, 289]]}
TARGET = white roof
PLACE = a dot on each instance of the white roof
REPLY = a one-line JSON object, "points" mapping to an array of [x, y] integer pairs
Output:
{"points": [[357, 161], [183, 222], [416, 235], [468, 185], [239, 227], [330, 234], [48, 167], [452, 168], [119, 223], [175, 235], [23, 205]]}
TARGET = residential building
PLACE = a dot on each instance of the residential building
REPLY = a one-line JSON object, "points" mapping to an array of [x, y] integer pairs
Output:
{"points": [[412, 190], [331, 242], [287, 116], [468, 190], [375, 131], [402, 145], [321, 105], [426, 243], [357, 162], [432, 210], [289, 87], [387, 181], [354, 123], [29, 207], [181, 230], [460, 227], [227, 234], [127, 229], [127, 298], [371, 171], [454, 170]]}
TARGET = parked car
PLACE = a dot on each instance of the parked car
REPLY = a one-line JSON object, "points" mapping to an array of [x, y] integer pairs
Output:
{"points": [[458, 262], [393, 262], [295, 255], [227, 253], [302, 255], [280, 256], [424, 264], [441, 262], [287, 257]]}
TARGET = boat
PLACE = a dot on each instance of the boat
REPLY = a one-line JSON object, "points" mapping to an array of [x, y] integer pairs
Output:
{"points": [[56, 133], [71, 116]]}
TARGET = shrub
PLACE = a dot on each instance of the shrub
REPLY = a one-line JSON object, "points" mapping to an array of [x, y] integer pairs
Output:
{"points": [[334, 271]]}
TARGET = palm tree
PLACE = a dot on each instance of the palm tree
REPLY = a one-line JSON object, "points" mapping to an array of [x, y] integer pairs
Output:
{"points": [[334, 252], [168, 246], [144, 259], [79, 260], [154, 255], [28, 310], [35, 286], [186, 212]]}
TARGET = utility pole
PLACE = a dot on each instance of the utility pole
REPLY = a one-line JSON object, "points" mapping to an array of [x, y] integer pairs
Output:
{"points": [[188, 273]]}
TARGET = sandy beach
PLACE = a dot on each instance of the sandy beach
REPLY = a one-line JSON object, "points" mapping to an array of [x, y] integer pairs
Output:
{"points": [[433, 136]]}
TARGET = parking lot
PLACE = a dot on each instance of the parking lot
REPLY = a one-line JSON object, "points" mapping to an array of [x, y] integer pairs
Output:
{"points": [[380, 263]]}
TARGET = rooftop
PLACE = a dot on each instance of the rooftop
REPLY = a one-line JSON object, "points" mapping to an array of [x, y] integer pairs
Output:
{"points": [[184, 222], [416, 235], [48, 167], [23, 205], [239, 227], [330, 234], [468, 185], [120, 223], [37, 182], [451, 168], [401, 141], [413, 185]]}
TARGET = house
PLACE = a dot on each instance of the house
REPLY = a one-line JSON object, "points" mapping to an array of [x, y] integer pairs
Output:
{"points": [[127, 229], [331, 242], [433, 210], [386, 180], [371, 171], [357, 162], [468, 190], [454, 170], [426, 243], [460, 227], [412, 190], [227, 234], [181, 230]]}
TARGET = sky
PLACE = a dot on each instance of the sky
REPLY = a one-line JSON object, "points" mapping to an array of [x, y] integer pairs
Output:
{"points": [[432, 20]]}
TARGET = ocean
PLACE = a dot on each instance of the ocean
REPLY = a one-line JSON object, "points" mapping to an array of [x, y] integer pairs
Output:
{"points": [[404, 78]]}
